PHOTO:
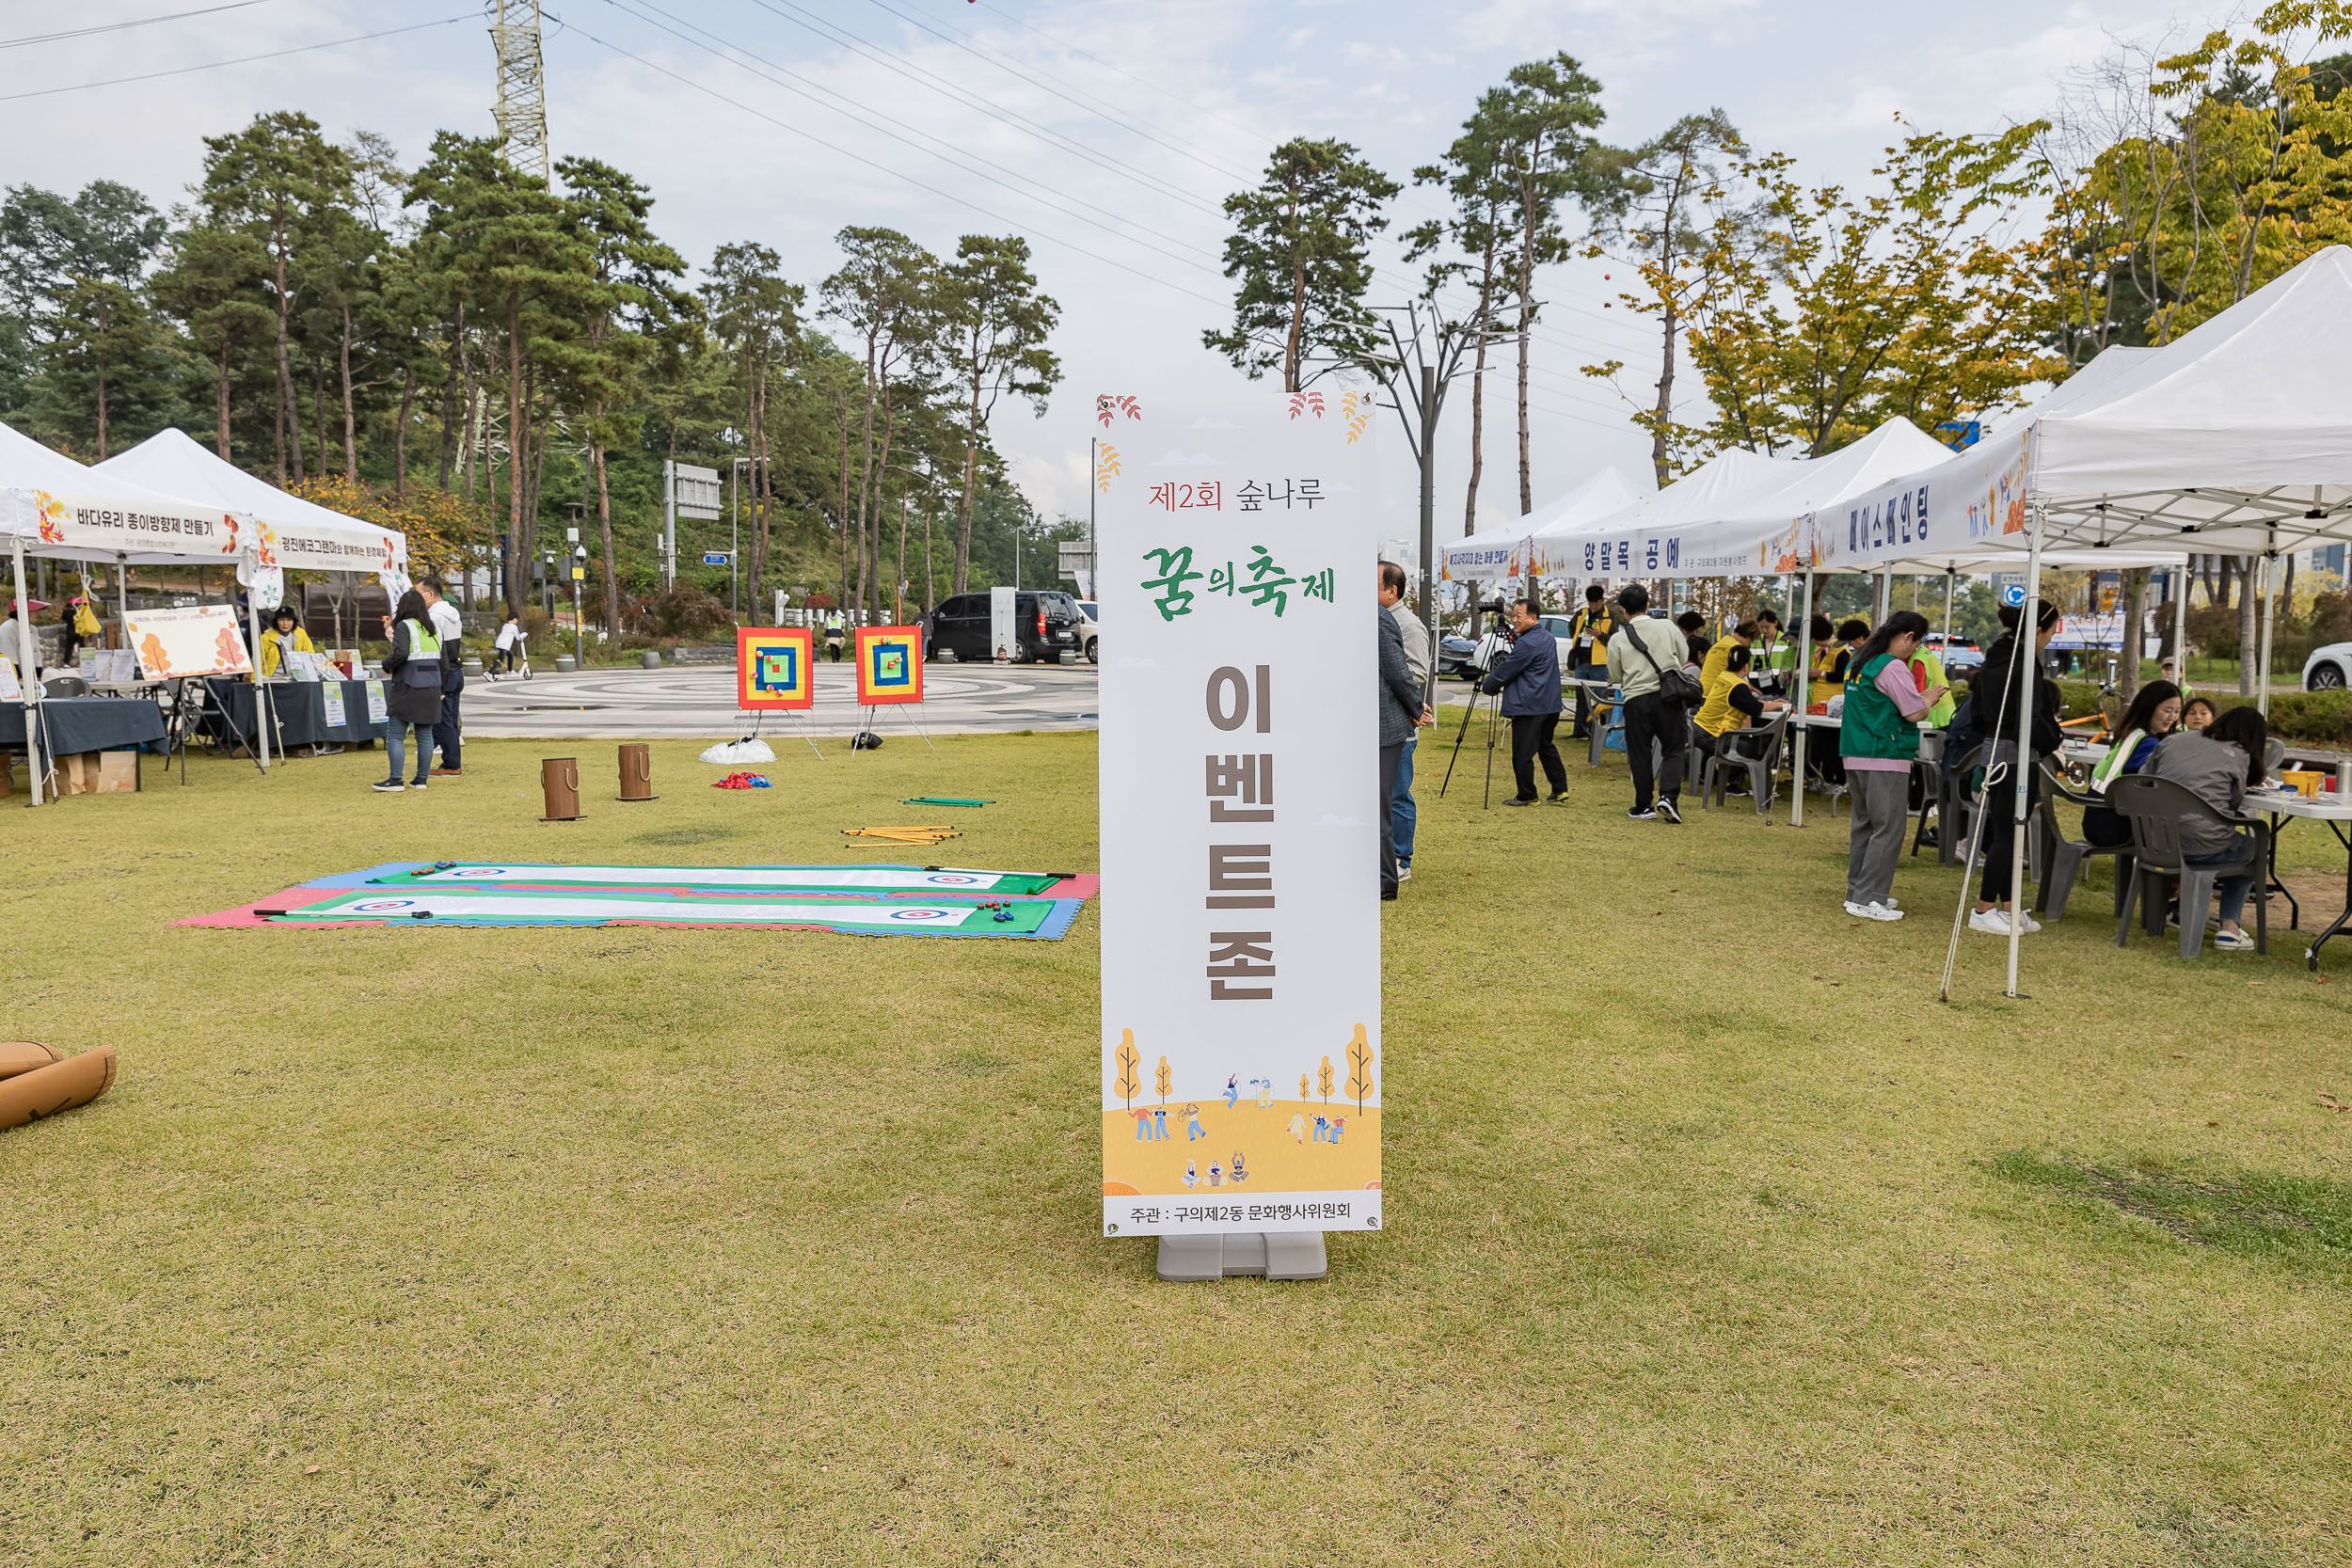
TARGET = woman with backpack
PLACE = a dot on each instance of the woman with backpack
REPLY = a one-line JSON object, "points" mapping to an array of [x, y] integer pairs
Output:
{"points": [[1879, 739], [412, 688], [2009, 748]]}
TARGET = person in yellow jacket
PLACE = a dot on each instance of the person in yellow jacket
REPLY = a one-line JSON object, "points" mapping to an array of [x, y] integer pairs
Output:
{"points": [[1587, 654], [1741, 636], [1927, 667], [285, 636]]}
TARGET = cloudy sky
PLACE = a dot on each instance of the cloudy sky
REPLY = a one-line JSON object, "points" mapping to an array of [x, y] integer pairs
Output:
{"points": [[1107, 130]]}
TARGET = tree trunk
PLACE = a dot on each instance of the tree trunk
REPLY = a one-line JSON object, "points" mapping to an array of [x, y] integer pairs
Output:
{"points": [[866, 472], [318, 408], [400, 435], [971, 464], [841, 517], [2135, 634], [873, 541], [1658, 450], [289, 415], [514, 448], [220, 403], [102, 408], [449, 397], [604, 539], [1527, 320], [351, 429]]}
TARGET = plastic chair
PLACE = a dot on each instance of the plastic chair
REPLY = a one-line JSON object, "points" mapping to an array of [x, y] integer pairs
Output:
{"points": [[2156, 808], [65, 685], [1763, 770], [2064, 857]]}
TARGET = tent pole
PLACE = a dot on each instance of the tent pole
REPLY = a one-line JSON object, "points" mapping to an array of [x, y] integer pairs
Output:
{"points": [[2270, 618], [2180, 624], [2028, 674], [28, 677], [1951, 576], [261, 691], [1804, 696]]}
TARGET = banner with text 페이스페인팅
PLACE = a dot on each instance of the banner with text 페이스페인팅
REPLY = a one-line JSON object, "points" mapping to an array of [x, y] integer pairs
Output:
{"points": [[1236, 538]]}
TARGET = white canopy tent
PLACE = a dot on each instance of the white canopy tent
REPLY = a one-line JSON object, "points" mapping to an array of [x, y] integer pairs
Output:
{"points": [[2233, 439], [290, 533], [1504, 551]]}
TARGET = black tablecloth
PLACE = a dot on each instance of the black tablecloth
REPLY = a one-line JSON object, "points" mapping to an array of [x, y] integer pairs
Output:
{"points": [[301, 708], [74, 724]]}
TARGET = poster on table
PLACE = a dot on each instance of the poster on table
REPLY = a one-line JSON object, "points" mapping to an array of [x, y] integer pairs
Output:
{"points": [[377, 709], [199, 639], [889, 665], [1236, 538], [775, 667], [11, 690], [331, 694]]}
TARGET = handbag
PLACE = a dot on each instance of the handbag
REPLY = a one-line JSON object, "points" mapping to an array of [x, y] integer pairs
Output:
{"points": [[1681, 684]]}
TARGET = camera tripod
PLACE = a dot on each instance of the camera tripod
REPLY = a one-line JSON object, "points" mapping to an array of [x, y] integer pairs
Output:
{"points": [[1494, 723]]}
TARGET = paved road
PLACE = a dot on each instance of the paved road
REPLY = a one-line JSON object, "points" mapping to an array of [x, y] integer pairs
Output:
{"points": [[695, 700]]}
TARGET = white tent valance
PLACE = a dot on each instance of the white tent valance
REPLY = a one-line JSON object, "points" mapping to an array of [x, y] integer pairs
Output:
{"points": [[291, 532], [1506, 551], [61, 509]]}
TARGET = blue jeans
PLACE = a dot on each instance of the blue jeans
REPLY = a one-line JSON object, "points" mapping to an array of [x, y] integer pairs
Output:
{"points": [[396, 742], [1400, 813], [2232, 889]]}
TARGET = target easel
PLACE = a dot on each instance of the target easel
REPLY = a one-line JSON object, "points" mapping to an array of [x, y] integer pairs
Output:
{"points": [[890, 675], [775, 672]]}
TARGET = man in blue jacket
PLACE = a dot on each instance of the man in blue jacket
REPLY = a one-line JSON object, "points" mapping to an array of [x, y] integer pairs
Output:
{"points": [[1529, 678]]}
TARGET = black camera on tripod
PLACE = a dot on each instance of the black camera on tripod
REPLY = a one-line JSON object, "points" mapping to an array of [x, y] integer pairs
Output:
{"points": [[1495, 640]]}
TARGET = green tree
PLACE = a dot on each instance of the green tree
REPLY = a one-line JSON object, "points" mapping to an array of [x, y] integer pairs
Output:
{"points": [[1302, 252], [271, 180], [996, 324], [212, 286], [755, 314], [64, 266], [110, 359], [885, 294], [1539, 121], [1480, 229], [632, 302]]}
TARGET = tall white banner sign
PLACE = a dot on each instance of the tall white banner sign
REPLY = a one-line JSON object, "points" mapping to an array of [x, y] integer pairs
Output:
{"points": [[1236, 542]]}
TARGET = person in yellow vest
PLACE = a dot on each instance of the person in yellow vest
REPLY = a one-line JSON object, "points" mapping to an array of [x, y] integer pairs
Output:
{"points": [[1926, 670], [1588, 654], [1879, 738], [412, 688], [285, 636], [1741, 636], [1731, 705]]}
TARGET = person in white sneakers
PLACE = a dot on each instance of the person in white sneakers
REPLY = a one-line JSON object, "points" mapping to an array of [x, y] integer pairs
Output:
{"points": [[1995, 706], [1879, 739]]}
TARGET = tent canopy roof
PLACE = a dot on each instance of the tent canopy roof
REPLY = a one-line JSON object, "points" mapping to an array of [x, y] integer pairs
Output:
{"points": [[299, 533], [1498, 552], [103, 517]]}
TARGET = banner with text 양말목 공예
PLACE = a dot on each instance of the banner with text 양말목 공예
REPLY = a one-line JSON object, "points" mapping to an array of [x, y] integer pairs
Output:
{"points": [[1237, 539]]}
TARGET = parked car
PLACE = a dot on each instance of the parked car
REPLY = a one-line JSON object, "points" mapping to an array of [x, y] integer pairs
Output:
{"points": [[2330, 667], [1092, 612], [1045, 625], [1454, 655]]}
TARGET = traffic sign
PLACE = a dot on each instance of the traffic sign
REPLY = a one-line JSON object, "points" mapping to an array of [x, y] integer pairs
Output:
{"points": [[714, 558], [2014, 594]]}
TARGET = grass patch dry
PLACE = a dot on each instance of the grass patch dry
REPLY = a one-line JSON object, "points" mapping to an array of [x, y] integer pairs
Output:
{"points": [[646, 1246]]}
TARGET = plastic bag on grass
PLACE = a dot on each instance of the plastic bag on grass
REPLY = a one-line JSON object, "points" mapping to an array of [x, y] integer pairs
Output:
{"points": [[731, 752]]}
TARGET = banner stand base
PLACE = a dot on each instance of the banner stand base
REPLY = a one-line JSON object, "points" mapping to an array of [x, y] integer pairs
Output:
{"points": [[1276, 1255]]}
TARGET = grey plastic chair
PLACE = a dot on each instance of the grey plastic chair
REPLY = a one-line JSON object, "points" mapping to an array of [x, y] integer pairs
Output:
{"points": [[1763, 770], [2065, 857], [2156, 807], [65, 685]]}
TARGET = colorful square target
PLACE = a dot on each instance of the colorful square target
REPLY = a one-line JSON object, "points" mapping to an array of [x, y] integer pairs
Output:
{"points": [[889, 665], [774, 667]]}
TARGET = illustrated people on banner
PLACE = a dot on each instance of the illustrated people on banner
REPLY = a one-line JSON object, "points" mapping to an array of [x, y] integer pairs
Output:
{"points": [[1192, 1177], [1240, 1175], [1192, 1124], [1232, 1090]]}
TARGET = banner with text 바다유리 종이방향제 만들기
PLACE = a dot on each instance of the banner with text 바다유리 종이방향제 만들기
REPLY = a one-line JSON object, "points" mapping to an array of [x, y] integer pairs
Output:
{"points": [[1236, 539]]}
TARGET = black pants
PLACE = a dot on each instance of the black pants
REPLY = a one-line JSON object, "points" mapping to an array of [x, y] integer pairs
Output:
{"points": [[1391, 758], [1999, 838], [1530, 738], [445, 731], [1647, 718]]}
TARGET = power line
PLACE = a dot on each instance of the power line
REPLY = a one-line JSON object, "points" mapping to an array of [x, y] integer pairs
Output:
{"points": [[121, 26], [1068, 205], [242, 60], [882, 167]]}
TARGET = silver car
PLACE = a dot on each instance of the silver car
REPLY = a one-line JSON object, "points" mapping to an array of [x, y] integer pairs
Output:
{"points": [[1088, 632], [2330, 667]]}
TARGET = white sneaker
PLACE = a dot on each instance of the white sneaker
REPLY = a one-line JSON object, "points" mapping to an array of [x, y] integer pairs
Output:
{"points": [[1891, 902], [2031, 925], [1404, 871], [1991, 922], [1871, 912]]}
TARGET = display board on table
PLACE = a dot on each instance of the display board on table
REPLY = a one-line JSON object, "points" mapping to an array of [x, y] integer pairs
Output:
{"points": [[775, 667], [199, 639], [889, 665], [1241, 1041]]}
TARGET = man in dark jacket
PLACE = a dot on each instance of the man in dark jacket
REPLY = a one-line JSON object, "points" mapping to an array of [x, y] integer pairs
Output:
{"points": [[1529, 678], [1401, 713]]}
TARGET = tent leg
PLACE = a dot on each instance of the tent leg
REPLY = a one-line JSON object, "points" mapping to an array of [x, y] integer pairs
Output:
{"points": [[2270, 617], [1804, 696], [2027, 675], [2180, 624], [261, 691], [1951, 576], [28, 677]]}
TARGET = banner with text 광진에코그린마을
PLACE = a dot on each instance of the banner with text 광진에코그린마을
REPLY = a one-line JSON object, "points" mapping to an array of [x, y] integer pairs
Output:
{"points": [[1240, 819]]}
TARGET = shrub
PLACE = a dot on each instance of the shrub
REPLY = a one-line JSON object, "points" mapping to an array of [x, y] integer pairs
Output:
{"points": [[686, 611]]}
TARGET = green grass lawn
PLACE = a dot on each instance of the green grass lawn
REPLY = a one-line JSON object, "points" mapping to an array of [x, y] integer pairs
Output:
{"points": [[1712, 1237]]}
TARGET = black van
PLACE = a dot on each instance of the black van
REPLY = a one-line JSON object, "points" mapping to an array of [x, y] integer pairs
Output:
{"points": [[1044, 626]]}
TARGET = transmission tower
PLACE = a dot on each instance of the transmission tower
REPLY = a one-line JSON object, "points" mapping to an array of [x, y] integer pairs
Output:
{"points": [[521, 110]]}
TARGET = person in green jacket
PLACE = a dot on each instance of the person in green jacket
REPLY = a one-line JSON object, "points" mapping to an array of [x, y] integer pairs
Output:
{"points": [[1879, 739]]}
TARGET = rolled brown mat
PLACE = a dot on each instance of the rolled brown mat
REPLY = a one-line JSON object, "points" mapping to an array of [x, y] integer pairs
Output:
{"points": [[636, 771], [558, 781], [59, 1086], [24, 1055]]}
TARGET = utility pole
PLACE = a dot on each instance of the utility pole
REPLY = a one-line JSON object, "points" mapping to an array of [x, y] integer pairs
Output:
{"points": [[521, 109]]}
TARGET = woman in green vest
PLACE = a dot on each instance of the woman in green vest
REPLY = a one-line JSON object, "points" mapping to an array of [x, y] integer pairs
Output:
{"points": [[1879, 738], [412, 688]]}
